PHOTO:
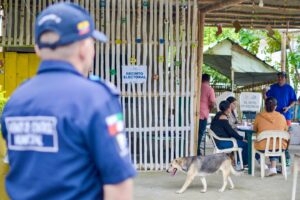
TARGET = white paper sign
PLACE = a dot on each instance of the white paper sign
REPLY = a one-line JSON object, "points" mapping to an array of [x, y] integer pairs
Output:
{"points": [[250, 101], [134, 74]]}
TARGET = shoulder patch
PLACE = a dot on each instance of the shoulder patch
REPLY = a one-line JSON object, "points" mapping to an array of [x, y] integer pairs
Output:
{"points": [[109, 86], [115, 124]]}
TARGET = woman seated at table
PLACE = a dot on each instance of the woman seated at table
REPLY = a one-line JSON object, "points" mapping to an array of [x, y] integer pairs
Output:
{"points": [[270, 120], [232, 118], [220, 125]]}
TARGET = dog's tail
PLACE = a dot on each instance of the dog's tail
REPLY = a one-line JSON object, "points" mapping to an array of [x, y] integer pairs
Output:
{"points": [[234, 172]]}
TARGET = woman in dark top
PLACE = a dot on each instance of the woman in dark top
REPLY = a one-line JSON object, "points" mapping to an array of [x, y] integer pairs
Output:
{"points": [[223, 129], [232, 118]]}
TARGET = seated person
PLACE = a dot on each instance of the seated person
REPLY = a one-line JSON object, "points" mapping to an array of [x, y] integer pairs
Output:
{"points": [[232, 117], [297, 110], [220, 125], [269, 120]]}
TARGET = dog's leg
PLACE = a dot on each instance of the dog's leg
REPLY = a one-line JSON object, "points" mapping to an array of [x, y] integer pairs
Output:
{"points": [[186, 184], [230, 182], [225, 176], [203, 180]]}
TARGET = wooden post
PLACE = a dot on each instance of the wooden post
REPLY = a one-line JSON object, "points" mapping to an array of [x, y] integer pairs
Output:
{"points": [[9, 23], [151, 66], [16, 22], [161, 79], [283, 51], [177, 38], [193, 75], [28, 32], [172, 39], [232, 79], [167, 80], [34, 13], [21, 23], [4, 23], [144, 33], [201, 17]]}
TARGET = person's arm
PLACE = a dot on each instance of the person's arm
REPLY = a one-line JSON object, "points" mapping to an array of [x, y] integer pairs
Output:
{"points": [[264, 93], [232, 132], [229, 130], [293, 100], [285, 109], [107, 143], [267, 92], [119, 191], [212, 99]]}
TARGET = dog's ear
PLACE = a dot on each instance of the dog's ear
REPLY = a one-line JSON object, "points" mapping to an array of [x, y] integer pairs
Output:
{"points": [[179, 161]]}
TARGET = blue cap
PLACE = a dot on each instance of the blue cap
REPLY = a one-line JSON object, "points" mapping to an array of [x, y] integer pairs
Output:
{"points": [[283, 74], [70, 21]]}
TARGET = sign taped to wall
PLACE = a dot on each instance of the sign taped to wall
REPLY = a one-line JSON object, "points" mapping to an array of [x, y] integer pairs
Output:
{"points": [[250, 101], [134, 74]]}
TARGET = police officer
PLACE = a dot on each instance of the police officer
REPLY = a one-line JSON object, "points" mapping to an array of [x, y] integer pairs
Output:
{"points": [[64, 132]]}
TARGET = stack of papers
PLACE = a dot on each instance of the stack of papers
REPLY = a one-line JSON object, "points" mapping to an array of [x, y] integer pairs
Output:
{"points": [[242, 127]]}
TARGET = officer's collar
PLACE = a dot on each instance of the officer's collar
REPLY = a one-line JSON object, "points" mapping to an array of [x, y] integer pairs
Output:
{"points": [[57, 65]]}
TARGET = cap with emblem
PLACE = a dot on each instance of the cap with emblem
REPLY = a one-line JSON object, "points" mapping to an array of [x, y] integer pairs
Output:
{"points": [[70, 21]]}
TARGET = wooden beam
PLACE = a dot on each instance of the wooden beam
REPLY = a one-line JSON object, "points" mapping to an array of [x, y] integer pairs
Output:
{"points": [[253, 22], [201, 22], [283, 51], [277, 8], [245, 19], [246, 87], [256, 15], [208, 1], [250, 26], [220, 5]]}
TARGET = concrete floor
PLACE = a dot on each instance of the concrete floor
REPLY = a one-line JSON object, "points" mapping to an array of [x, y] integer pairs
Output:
{"points": [[162, 186]]}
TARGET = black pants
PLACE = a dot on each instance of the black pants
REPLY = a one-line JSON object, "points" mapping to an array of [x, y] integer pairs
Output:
{"points": [[201, 133]]}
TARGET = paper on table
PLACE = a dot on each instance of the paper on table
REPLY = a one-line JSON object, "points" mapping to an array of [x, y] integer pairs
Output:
{"points": [[243, 127]]}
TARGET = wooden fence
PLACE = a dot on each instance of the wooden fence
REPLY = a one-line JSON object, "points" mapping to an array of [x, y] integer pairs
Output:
{"points": [[160, 34]]}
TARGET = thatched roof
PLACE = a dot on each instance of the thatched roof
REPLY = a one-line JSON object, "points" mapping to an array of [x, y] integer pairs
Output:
{"points": [[279, 14]]}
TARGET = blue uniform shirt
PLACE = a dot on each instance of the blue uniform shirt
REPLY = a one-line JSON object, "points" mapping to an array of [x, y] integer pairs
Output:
{"points": [[285, 95], [65, 137]]}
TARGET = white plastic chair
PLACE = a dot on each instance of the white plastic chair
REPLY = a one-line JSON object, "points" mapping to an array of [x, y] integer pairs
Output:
{"points": [[235, 149], [269, 135]]}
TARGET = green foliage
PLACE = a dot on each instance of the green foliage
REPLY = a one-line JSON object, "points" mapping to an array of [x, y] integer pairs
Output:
{"points": [[294, 59], [210, 38], [216, 77], [294, 63], [3, 101], [274, 43], [210, 35], [250, 40], [298, 42]]}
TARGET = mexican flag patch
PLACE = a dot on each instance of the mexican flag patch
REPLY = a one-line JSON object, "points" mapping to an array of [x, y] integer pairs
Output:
{"points": [[115, 124]]}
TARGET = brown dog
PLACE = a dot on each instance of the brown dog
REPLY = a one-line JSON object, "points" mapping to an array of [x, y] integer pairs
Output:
{"points": [[203, 166]]}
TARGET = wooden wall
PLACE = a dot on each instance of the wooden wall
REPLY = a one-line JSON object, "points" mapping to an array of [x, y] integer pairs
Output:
{"points": [[17, 67]]}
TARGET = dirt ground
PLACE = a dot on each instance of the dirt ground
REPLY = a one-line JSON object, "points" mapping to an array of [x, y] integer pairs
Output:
{"points": [[162, 186]]}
